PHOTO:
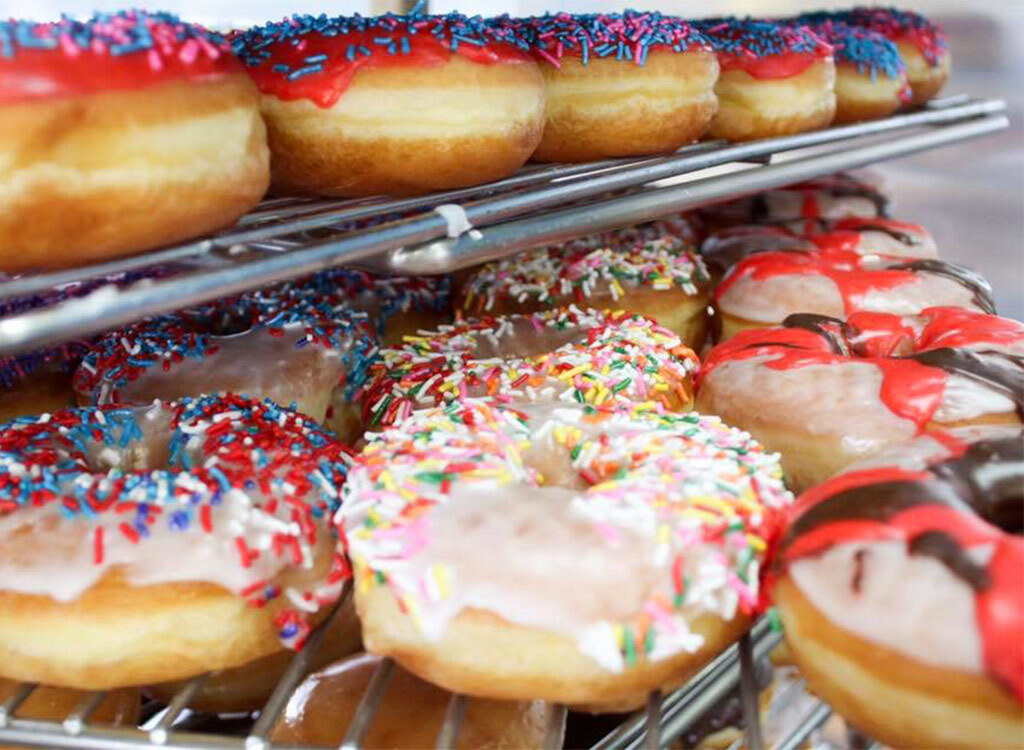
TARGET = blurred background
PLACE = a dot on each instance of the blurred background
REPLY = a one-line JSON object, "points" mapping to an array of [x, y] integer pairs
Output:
{"points": [[971, 195]]}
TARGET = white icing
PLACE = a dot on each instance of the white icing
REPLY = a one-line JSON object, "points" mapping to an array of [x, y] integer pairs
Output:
{"points": [[874, 242], [457, 220], [966, 398], [910, 603], [770, 300], [926, 290]]}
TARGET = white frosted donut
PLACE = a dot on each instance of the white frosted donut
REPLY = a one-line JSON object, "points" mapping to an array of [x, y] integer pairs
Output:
{"points": [[566, 553], [156, 543]]}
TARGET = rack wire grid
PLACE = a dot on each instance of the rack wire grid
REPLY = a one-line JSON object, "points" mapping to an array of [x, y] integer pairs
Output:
{"points": [[289, 237]]}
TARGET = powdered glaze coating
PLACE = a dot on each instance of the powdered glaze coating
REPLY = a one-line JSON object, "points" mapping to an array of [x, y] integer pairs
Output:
{"points": [[560, 355], [680, 509], [222, 490], [119, 51]]}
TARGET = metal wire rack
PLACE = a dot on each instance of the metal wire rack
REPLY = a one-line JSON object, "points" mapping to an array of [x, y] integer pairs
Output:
{"points": [[289, 237]]}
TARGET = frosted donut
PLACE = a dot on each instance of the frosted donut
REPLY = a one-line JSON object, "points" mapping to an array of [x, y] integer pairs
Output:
{"points": [[922, 44], [863, 236], [409, 715], [824, 393], [901, 586], [248, 687], [337, 93], [836, 196], [560, 355], [119, 134], [645, 270], [285, 344], [776, 79], [871, 78], [621, 84], [149, 544], [396, 305], [656, 524], [763, 289]]}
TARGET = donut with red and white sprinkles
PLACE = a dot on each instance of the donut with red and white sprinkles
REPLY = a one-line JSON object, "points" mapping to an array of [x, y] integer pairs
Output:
{"points": [[152, 543]]}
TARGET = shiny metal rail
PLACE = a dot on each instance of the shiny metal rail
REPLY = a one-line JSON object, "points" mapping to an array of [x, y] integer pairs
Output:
{"points": [[285, 238]]}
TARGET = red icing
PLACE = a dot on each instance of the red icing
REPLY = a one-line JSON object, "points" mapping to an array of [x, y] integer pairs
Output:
{"points": [[71, 70], [772, 66], [326, 86], [999, 608], [845, 269], [956, 327]]}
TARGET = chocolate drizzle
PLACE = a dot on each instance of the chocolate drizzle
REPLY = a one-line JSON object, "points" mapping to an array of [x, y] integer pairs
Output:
{"points": [[987, 480], [973, 281], [837, 333], [996, 370], [722, 253]]}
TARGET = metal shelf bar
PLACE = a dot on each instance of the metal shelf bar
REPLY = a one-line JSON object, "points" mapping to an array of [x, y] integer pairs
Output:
{"points": [[10, 706], [749, 694], [814, 719], [158, 734], [452, 724], [368, 706]]}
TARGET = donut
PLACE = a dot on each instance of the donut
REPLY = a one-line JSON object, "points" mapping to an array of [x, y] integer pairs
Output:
{"points": [[157, 543], [837, 196], [763, 289], [864, 236], [621, 84], [396, 305], [922, 44], [38, 382], [825, 393], [410, 713], [121, 133], [776, 79], [901, 587], [337, 92], [871, 78], [118, 708], [645, 270], [566, 354], [285, 344], [248, 687], [576, 554]]}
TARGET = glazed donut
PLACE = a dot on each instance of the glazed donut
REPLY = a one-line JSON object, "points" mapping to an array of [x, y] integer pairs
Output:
{"points": [[156, 543], [656, 524], [922, 44], [763, 289], [837, 196], [871, 78], [38, 382], [247, 688], [565, 354], [119, 134], [622, 84], [824, 393], [776, 79], [396, 305], [645, 270], [901, 587], [410, 714], [286, 344], [337, 93], [118, 708], [863, 236]]}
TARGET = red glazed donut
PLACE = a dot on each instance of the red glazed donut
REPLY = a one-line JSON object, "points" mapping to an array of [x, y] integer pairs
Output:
{"points": [[118, 134], [776, 79], [825, 393], [337, 94], [763, 289], [901, 587]]}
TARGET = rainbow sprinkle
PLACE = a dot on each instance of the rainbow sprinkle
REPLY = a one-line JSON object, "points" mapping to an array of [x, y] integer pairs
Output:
{"points": [[706, 497]]}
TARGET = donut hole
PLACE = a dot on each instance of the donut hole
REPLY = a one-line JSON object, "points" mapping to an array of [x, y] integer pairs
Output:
{"points": [[149, 452]]}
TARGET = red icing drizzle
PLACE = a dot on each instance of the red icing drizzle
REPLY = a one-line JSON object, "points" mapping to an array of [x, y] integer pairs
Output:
{"points": [[70, 69], [999, 608], [955, 327], [845, 269], [909, 389], [324, 87], [772, 66]]}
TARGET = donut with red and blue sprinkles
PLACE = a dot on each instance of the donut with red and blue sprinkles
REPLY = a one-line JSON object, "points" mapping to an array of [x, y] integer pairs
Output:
{"points": [[776, 79], [288, 344], [160, 137], [871, 77], [336, 93], [141, 544], [922, 44], [618, 84], [577, 554]]}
